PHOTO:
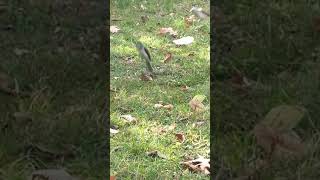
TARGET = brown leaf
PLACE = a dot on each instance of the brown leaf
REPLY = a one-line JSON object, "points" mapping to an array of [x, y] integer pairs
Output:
{"points": [[112, 178], [146, 77], [128, 118], [278, 143], [168, 58], [168, 30], [290, 142], [51, 174], [189, 20], [184, 88], [284, 117], [266, 137], [165, 129], [180, 137], [168, 107], [114, 29], [161, 105], [198, 165], [196, 103]]}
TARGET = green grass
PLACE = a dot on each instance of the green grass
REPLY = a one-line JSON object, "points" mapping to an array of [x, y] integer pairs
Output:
{"points": [[136, 97], [275, 45], [66, 85]]}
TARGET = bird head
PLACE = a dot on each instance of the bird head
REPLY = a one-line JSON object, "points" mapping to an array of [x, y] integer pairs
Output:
{"points": [[139, 45], [194, 8]]}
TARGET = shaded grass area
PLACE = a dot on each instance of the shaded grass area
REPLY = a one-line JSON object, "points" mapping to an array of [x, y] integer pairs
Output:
{"points": [[65, 81], [275, 44], [136, 97]]}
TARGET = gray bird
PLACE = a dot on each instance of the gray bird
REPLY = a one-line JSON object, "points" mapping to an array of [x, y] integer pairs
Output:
{"points": [[199, 12], [145, 54]]}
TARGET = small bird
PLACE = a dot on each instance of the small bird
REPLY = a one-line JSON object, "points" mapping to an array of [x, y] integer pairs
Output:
{"points": [[199, 12], [145, 54]]}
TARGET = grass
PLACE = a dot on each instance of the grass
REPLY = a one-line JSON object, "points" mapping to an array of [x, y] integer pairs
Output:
{"points": [[136, 97], [275, 45], [66, 85]]}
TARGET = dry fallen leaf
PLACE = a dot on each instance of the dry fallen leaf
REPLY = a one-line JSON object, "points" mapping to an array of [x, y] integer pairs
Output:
{"points": [[128, 118], [114, 29], [160, 105], [290, 142], [157, 106], [189, 20], [112, 178], [184, 88], [266, 137], [284, 117], [168, 58], [198, 165], [146, 76], [168, 30], [51, 174], [168, 107], [161, 130], [180, 137], [278, 143], [196, 103], [184, 41]]}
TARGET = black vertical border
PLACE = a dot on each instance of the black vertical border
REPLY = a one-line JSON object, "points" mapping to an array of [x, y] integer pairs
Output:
{"points": [[106, 115], [212, 62]]}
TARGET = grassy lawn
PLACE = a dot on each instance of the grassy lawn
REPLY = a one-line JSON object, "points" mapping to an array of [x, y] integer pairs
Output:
{"points": [[276, 46], [51, 55], [137, 98]]}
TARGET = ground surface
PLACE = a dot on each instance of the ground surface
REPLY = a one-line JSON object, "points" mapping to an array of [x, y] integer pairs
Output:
{"points": [[189, 66], [276, 45], [52, 55]]}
